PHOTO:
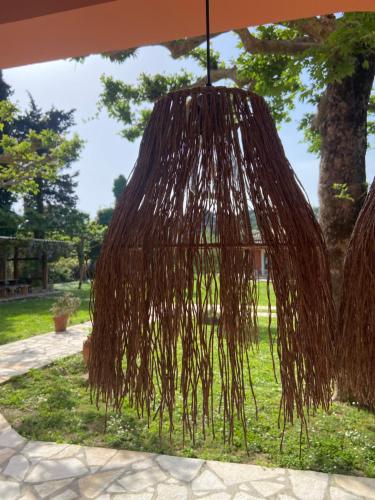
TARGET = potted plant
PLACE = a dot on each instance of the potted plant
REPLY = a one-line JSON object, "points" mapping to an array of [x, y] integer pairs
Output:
{"points": [[62, 309]]}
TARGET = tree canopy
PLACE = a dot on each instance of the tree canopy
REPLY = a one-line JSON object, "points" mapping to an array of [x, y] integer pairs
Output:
{"points": [[285, 62]]}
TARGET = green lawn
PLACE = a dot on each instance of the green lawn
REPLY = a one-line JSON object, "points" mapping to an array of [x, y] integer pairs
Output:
{"points": [[53, 404], [23, 318]]}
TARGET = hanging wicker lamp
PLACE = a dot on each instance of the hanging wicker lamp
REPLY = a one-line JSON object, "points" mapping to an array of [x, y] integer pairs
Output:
{"points": [[180, 248], [356, 333]]}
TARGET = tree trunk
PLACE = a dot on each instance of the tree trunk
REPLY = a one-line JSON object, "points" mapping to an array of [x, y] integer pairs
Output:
{"points": [[342, 119]]}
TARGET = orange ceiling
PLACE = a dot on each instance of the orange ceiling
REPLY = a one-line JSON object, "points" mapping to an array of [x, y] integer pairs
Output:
{"points": [[43, 30]]}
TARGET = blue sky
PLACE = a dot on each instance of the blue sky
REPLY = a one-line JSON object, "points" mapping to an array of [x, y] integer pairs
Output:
{"points": [[67, 84]]}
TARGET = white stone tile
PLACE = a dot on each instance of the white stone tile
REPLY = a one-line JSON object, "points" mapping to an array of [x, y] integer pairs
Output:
{"points": [[94, 484], [207, 481], [339, 494], [35, 449], [98, 456], [239, 473], [134, 496], [17, 467], [66, 495], [245, 496], [125, 458], [308, 485], [138, 481], [5, 454], [143, 464], [171, 492], [184, 469], [50, 470], [216, 496], [361, 486], [9, 438], [266, 488], [9, 490], [50, 487], [115, 488], [28, 495]]}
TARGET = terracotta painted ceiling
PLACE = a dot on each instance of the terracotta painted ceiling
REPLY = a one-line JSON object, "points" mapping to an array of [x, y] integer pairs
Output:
{"points": [[42, 30]]}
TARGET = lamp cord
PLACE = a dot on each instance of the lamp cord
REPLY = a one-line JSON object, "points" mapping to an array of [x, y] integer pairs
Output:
{"points": [[208, 52]]}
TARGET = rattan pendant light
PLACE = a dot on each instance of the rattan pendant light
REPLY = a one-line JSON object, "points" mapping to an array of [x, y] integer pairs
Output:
{"points": [[180, 249], [356, 333]]}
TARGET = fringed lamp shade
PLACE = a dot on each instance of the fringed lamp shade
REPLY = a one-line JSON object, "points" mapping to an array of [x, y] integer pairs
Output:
{"points": [[180, 249], [356, 335]]}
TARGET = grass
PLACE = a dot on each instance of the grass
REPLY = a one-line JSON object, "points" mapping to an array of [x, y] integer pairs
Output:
{"points": [[53, 404], [24, 318]]}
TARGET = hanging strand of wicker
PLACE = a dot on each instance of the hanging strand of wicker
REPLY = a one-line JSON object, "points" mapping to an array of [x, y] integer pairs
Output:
{"points": [[180, 249], [356, 333]]}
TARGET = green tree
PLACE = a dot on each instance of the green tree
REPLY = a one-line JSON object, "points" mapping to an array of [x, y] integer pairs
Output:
{"points": [[104, 215], [9, 220], [119, 184], [48, 208], [327, 62]]}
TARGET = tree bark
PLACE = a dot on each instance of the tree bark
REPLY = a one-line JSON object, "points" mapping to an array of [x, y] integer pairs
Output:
{"points": [[342, 122]]}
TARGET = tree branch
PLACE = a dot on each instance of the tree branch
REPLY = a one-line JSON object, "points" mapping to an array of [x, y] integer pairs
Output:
{"points": [[257, 46], [217, 75], [179, 48], [317, 28]]}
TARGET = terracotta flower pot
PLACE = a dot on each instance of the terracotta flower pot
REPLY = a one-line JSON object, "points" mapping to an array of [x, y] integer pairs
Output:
{"points": [[86, 350], [61, 322]]}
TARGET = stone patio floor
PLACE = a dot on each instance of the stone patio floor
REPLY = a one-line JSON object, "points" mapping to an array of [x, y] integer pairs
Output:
{"points": [[32, 470]]}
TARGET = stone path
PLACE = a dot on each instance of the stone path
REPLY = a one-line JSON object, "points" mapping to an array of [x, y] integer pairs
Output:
{"points": [[18, 357], [31, 470]]}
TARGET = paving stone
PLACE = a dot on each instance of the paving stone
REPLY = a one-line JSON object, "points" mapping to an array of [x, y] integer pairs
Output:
{"points": [[124, 458], [71, 450], [9, 490], [98, 456], [143, 464], [239, 473], [207, 481], [115, 488], [361, 486], [285, 497], [132, 496], [184, 469], [28, 495], [3, 423], [245, 496], [94, 484], [308, 485], [216, 496], [266, 488], [17, 467], [9, 438], [49, 470], [66, 495], [50, 487], [339, 494], [42, 450], [139, 481], [5, 454], [171, 491]]}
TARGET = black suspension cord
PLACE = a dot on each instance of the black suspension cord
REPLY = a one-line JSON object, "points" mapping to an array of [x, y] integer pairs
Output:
{"points": [[208, 53]]}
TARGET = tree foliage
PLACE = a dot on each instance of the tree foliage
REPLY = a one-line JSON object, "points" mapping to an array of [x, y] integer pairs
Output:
{"points": [[32, 154], [286, 62]]}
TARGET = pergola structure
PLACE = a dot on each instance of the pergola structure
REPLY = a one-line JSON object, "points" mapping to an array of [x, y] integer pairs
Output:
{"points": [[40, 30], [16, 252]]}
